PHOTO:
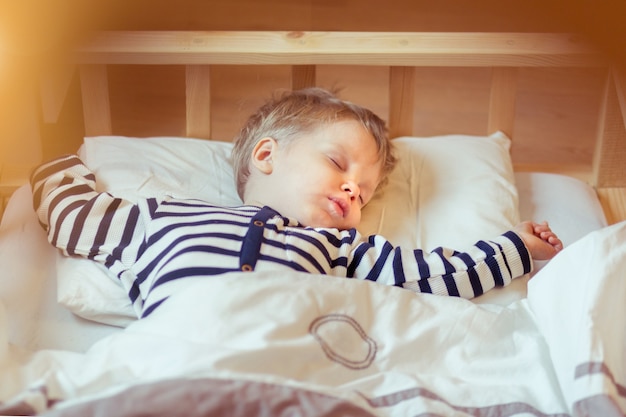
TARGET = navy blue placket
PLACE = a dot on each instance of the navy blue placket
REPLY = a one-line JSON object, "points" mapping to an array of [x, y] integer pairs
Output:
{"points": [[251, 246]]}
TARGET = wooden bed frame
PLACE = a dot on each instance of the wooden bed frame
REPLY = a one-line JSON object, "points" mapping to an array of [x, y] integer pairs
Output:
{"points": [[402, 53]]}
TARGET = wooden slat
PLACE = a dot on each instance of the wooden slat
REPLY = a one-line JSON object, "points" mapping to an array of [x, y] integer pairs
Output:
{"points": [[302, 76], [609, 164], [620, 90], [198, 100], [54, 84], [502, 101], [613, 202], [401, 101], [340, 48], [94, 86]]}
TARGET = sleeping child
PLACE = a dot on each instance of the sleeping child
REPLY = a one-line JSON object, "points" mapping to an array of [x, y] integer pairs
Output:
{"points": [[306, 163]]}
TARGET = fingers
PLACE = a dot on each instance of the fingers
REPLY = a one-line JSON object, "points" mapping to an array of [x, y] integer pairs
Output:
{"points": [[538, 228], [553, 240], [543, 231], [542, 228], [542, 242]]}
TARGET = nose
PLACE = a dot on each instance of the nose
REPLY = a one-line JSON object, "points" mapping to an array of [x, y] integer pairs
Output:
{"points": [[351, 188]]}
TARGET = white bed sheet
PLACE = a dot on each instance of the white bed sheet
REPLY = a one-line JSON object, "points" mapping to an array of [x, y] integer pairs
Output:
{"points": [[382, 349], [36, 321]]}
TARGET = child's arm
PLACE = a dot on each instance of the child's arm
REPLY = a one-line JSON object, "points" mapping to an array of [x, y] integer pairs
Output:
{"points": [[81, 221], [485, 265]]}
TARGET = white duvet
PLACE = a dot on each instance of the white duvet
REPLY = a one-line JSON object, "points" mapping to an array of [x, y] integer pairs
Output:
{"points": [[386, 350]]}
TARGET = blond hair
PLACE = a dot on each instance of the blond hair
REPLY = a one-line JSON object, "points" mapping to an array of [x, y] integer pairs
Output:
{"points": [[289, 115]]}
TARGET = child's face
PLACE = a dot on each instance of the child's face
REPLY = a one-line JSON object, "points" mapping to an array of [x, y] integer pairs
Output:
{"points": [[324, 178]]}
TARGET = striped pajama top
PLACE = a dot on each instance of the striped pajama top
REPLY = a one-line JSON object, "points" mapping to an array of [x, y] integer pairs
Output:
{"points": [[153, 245]]}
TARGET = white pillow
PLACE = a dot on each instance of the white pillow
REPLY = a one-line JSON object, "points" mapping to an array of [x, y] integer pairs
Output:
{"points": [[445, 191], [153, 167]]}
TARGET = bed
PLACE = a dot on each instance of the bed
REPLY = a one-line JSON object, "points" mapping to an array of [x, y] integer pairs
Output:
{"points": [[549, 344]]}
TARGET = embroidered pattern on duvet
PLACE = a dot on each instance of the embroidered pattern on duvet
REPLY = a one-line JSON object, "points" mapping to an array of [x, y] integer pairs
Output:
{"points": [[344, 341]]}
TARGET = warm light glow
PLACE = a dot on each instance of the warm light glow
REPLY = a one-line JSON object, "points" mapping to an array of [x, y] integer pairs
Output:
{"points": [[2, 59]]}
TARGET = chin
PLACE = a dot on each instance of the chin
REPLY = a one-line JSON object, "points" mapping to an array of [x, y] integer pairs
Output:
{"points": [[339, 226], [323, 223], [324, 220]]}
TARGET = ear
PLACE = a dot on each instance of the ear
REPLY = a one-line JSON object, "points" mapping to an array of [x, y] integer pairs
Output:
{"points": [[262, 154]]}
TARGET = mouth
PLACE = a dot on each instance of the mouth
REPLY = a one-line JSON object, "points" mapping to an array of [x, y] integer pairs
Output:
{"points": [[340, 207]]}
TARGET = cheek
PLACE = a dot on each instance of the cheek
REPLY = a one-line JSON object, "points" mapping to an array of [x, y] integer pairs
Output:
{"points": [[355, 218], [313, 178]]}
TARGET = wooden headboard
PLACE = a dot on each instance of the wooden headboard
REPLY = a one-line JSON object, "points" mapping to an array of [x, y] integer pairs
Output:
{"points": [[403, 54]]}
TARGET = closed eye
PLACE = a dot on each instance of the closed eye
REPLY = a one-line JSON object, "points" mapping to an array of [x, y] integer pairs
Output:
{"points": [[336, 163]]}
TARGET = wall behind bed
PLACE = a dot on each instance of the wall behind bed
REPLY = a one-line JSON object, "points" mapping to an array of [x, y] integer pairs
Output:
{"points": [[557, 110]]}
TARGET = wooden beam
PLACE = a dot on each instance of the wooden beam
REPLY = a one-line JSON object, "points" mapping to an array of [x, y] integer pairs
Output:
{"points": [[340, 48], [502, 101], [198, 101], [401, 101], [94, 86]]}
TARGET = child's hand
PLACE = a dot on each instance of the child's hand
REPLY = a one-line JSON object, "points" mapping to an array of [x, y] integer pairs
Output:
{"points": [[540, 240]]}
